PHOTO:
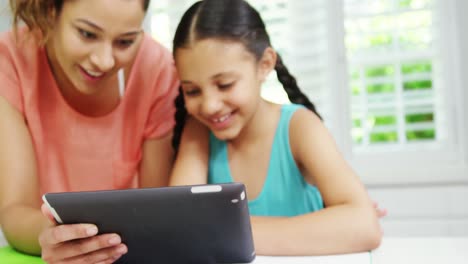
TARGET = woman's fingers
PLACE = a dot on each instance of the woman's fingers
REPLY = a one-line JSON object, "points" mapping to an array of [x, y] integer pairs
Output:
{"points": [[102, 256], [58, 234], [45, 211], [78, 241], [88, 250]]}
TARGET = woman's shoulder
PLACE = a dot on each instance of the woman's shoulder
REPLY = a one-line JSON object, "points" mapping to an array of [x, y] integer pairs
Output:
{"points": [[152, 55], [19, 47]]}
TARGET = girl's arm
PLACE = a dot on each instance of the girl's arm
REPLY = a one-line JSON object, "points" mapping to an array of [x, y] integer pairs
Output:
{"points": [[349, 222], [191, 164], [156, 163]]}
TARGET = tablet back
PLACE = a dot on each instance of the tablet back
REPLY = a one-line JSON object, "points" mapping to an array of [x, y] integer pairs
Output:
{"points": [[184, 224]]}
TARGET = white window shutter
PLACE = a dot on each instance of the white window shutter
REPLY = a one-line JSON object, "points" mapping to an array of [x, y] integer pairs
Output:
{"points": [[298, 31]]}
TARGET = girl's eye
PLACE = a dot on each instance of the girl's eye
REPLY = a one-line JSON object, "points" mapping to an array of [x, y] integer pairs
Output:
{"points": [[124, 43], [225, 85], [86, 34]]}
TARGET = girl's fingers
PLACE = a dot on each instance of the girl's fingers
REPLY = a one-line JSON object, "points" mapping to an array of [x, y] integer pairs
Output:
{"points": [[380, 212]]}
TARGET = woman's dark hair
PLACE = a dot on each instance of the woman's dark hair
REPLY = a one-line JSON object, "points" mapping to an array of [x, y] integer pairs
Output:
{"points": [[232, 20], [39, 14]]}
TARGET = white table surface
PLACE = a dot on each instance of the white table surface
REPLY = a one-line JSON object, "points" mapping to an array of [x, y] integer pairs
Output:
{"points": [[357, 258], [393, 250], [424, 250]]}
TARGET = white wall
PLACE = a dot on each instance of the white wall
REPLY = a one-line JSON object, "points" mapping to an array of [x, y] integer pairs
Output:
{"points": [[4, 16], [463, 59], [430, 209], [423, 210], [2, 239]]}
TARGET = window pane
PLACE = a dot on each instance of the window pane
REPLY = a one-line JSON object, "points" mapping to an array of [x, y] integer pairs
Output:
{"points": [[391, 59]]}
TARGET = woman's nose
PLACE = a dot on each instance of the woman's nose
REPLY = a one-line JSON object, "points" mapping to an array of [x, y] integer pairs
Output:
{"points": [[103, 58]]}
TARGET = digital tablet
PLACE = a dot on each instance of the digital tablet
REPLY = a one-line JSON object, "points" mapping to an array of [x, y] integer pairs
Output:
{"points": [[183, 224]]}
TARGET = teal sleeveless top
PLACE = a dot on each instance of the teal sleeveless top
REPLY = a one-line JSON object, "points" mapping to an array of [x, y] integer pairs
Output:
{"points": [[285, 191]]}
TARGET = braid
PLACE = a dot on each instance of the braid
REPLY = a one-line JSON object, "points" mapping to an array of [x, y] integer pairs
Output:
{"points": [[180, 118], [289, 83]]}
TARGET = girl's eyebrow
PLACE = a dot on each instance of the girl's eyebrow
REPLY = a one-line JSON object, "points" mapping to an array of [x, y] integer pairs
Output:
{"points": [[224, 74], [221, 74], [91, 24]]}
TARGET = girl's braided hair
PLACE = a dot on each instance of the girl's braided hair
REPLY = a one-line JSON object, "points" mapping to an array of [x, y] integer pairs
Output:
{"points": [[234, 20]]}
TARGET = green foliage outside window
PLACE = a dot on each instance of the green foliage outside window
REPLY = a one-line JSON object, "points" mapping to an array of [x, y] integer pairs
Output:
{"points": [[417, 85], [420, 135], [376, 36], [385, 137], [417, 118]]}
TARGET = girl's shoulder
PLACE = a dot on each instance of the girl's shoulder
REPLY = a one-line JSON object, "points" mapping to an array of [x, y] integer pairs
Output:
{"points": [[305, 126], [301, 116], [298, 116]]}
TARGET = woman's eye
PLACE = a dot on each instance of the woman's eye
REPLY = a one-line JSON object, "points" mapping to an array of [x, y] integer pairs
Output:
{"points": [[125, 42], [86, 34], [192, 92]]}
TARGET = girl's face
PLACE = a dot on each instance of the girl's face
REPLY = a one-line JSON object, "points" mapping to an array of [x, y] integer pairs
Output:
{"points": [[92, 40], [221, 84]]}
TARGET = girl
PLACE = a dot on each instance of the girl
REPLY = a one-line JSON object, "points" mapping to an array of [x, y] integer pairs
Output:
{"points": [[282, 153], [79, 111]]}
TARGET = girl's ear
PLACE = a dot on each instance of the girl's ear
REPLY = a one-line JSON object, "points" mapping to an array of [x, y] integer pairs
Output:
{"points": [[267, 63]]}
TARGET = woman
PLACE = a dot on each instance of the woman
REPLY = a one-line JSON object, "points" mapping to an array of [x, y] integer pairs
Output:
{"points": [[79, 112]]}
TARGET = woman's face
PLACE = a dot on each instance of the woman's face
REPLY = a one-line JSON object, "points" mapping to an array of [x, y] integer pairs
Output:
{"points": [[92, 40]]}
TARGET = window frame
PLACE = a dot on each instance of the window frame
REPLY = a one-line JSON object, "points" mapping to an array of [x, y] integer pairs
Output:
{"points": [[446, 165]]}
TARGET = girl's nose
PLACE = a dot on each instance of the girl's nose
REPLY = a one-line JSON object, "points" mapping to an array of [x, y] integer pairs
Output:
{"points": [[211, 104]]}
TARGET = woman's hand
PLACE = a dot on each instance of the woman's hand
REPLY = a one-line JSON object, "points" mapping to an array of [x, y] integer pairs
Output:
{"points": [[78, 243]]}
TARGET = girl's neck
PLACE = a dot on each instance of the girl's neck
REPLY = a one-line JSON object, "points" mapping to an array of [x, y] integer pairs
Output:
{"points": [[258, 128]]}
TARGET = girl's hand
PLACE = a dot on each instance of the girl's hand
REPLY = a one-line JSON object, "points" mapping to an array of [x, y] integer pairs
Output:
{"points": [[381, 212], [78, 243]]}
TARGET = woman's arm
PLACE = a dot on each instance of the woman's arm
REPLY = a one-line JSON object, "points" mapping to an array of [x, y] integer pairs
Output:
{"points": [[191, 165], [23, 224], [20, 215], [349, 222]]}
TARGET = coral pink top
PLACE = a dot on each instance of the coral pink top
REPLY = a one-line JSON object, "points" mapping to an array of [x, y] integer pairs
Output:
{"points": [[76, 152]]}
